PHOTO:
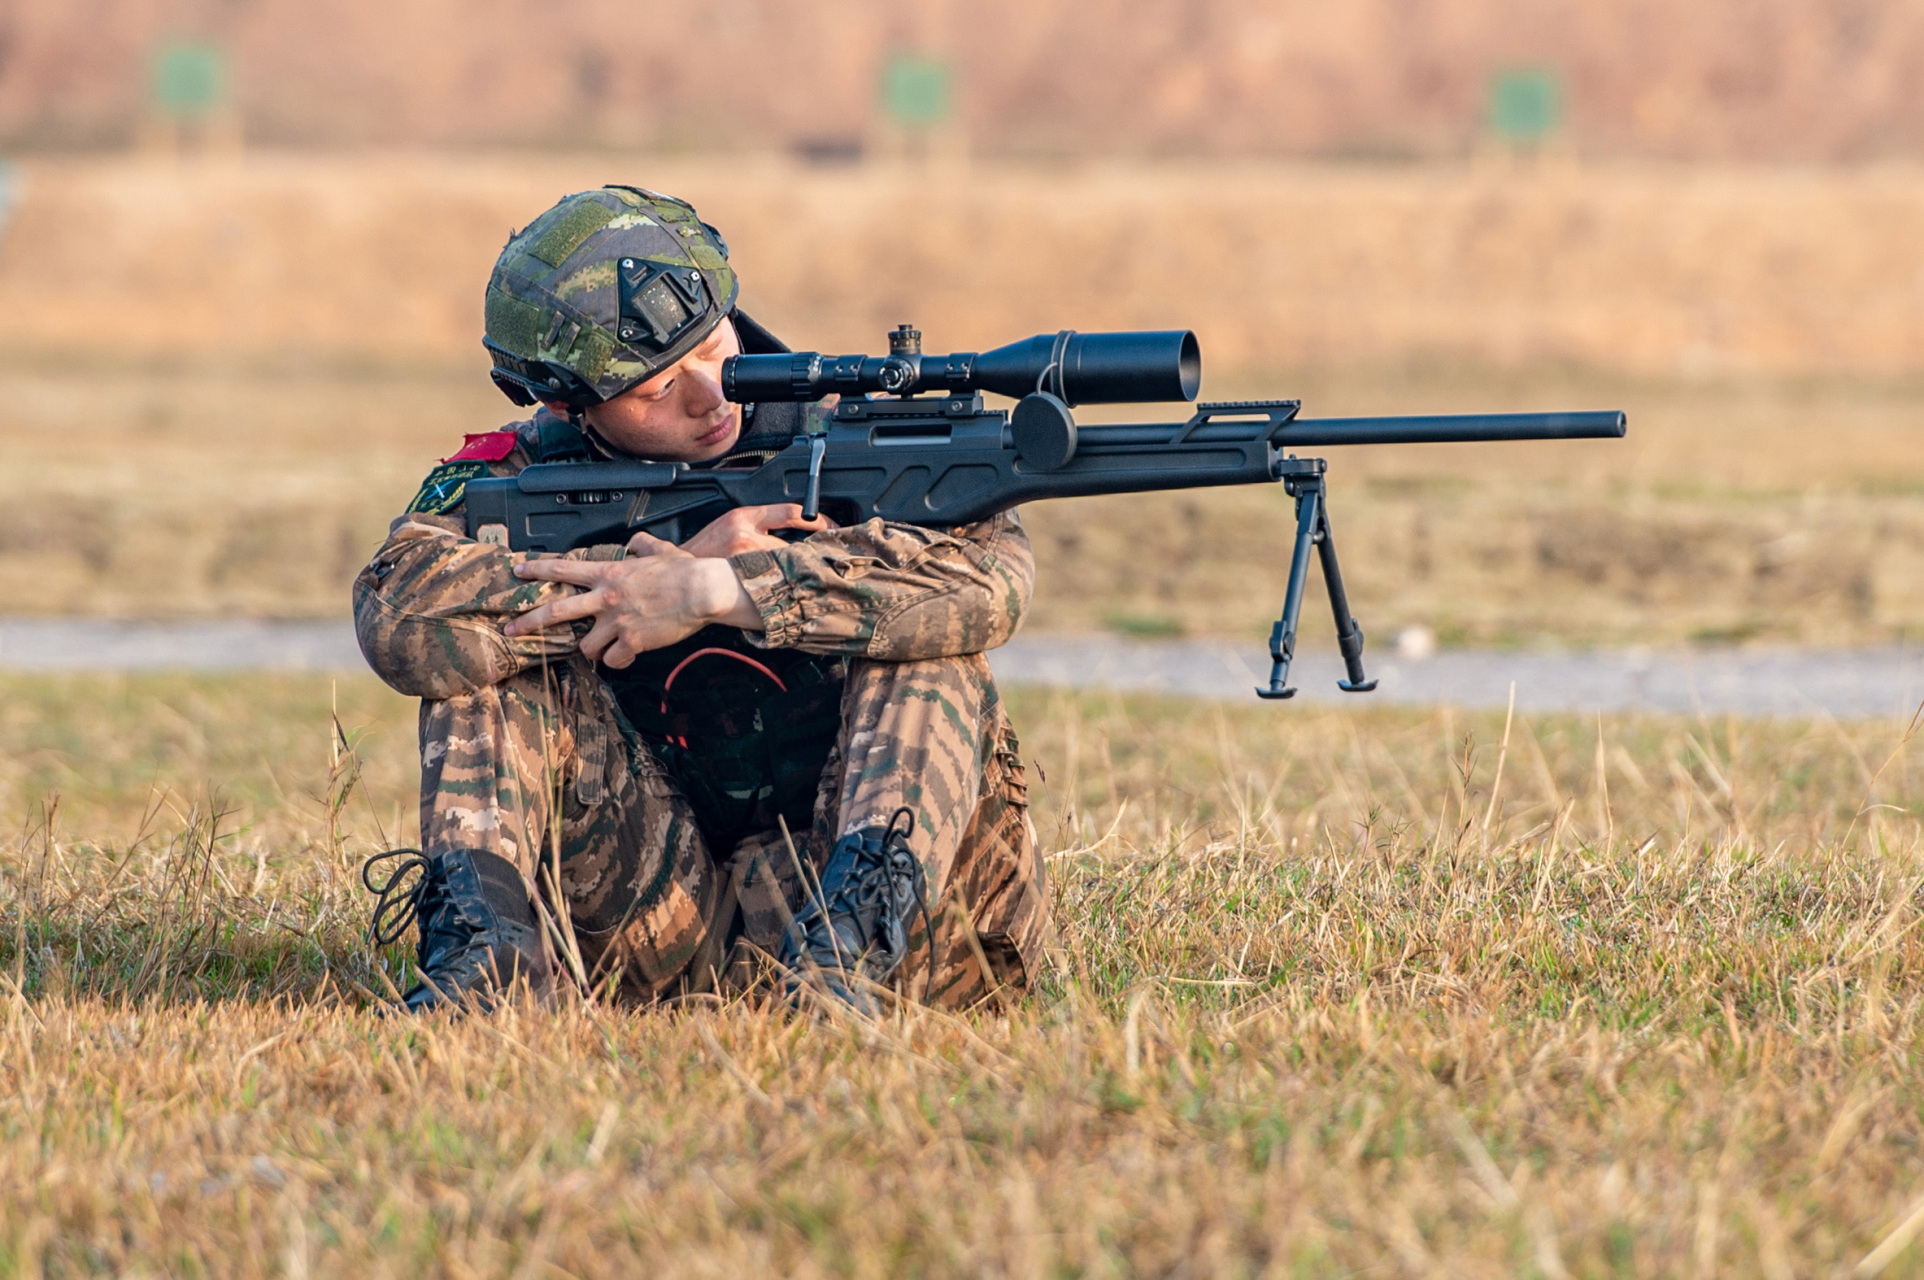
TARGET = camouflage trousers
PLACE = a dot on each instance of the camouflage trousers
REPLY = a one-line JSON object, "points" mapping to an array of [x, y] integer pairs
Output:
{"points": [[538, 770]]}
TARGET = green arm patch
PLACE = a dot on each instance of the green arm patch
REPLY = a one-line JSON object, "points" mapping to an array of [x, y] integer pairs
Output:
{"points": [[445, 486]]}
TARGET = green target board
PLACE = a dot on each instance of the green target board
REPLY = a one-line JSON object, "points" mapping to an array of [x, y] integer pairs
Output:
{"points": [[915, 90], [189, 79], [1526, 104]]}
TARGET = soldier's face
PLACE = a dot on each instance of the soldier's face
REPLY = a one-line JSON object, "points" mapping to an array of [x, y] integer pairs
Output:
{"points": [[679, 415]]}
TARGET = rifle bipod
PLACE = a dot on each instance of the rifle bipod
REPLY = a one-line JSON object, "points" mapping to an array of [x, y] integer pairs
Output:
{"points": [[1303, 479]]}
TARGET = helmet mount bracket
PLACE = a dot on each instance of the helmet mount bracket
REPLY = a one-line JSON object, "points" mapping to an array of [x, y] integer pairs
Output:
{"points": [[659, 303]]}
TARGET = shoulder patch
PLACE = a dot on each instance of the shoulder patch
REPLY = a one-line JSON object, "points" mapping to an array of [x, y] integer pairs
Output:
{"points": [[446, 485], [485, 446]]}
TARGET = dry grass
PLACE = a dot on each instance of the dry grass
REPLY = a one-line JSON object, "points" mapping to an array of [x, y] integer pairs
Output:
{"points": [[158, 495], [380, 259], [1339, 991]]}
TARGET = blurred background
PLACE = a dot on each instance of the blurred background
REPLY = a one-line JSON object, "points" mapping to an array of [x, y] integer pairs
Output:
{"points": [[243, 243]]}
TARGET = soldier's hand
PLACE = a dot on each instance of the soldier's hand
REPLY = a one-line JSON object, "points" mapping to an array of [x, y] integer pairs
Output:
{"points": [[742, 529], [641, 603]]}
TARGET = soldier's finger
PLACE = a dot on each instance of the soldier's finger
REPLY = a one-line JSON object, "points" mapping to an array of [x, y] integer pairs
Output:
{"points": [[599, 637], [647, 544], [788, 515], [776, 515], [619, 655], [528, 623], [563, 610], [581, 573], [793, 519]]}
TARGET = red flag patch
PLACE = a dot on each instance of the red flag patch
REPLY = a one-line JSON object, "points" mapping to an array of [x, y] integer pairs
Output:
{"points": [[487, 446]]}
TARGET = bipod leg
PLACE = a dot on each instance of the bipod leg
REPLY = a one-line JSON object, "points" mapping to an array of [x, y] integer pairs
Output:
{"points": [[1349, 636], [1282, 637]]}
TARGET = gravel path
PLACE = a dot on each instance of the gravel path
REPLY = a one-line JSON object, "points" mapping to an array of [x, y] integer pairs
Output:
{"points": [[1852, 683]]}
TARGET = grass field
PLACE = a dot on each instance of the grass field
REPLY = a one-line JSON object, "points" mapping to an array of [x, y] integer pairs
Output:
{"points": [[1339, 992]]}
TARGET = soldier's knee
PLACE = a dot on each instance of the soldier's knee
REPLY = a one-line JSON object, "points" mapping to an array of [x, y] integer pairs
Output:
{"points": [[966, 674], [524, 720], [429, 657]]}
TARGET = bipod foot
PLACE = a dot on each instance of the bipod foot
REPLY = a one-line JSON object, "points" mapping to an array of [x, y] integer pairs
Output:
{"points": [[1282, 649]]}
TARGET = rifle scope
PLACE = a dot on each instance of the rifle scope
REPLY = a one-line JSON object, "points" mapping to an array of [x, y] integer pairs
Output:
{"points": [[1077, 368]]}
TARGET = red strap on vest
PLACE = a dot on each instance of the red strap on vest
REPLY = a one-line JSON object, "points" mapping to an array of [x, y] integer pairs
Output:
{"points": [[669, 683], [487, 446]]}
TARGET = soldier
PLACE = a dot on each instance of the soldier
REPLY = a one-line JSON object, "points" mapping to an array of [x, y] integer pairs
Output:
{"points": [[650, 764]]}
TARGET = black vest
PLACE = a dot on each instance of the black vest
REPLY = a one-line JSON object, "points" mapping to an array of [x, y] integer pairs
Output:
{"points": [[744, 731]]}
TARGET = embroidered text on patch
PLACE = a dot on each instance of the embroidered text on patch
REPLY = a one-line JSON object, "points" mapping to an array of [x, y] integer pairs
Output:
{"points": [[445, 486]]}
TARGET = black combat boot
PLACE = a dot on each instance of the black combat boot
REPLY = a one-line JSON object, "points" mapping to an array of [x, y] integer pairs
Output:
{"points": [[479, 932], [858, 923]]}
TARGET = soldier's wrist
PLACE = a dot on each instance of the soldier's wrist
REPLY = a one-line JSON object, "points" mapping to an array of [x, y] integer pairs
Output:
{"points": [[724, 599]]}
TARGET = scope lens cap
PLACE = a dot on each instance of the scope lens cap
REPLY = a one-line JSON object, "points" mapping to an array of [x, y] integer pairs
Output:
{"points": [[1044, 431]]}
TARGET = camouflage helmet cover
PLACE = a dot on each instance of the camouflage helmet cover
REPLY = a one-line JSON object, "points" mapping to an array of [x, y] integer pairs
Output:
{"points": [[603, 291]]}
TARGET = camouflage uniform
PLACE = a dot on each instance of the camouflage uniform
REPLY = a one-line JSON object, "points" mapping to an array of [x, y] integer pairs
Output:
{"points": [[525, 753]]}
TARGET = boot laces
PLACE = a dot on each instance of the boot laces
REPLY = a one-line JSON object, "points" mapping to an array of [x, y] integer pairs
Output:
{"points": [[906, 817], [419, 904], [862, 891], [396, 908]]}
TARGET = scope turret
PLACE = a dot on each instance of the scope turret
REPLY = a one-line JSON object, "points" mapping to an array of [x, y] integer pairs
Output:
{"points": [[1077, 368]]}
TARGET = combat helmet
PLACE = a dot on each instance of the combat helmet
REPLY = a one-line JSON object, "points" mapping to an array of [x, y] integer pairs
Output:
{"points": [[601, 292]]}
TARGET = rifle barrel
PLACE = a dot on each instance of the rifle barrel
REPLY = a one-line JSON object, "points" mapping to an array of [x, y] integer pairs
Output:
{"points": [[1434, 429], [1452, 428]]}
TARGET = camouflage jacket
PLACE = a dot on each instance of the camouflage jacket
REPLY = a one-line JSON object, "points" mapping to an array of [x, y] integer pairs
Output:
{"points": [[429, 607]]}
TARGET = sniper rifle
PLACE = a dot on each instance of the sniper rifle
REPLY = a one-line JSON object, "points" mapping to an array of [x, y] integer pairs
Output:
{"points": [[911, 441]]}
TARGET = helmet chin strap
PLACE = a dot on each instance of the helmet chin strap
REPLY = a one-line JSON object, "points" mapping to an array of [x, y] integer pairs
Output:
{"points": [[596, 441], [577, 417]]}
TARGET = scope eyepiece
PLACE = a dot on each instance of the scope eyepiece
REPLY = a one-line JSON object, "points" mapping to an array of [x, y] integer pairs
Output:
{"points": [[1076, 368]]}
